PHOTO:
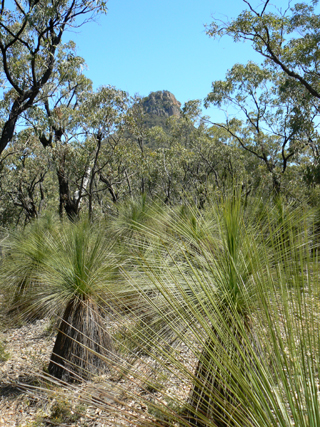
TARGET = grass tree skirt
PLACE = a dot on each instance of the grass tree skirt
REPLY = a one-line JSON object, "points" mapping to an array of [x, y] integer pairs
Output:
{"points": [[220, 381], [83, 346], [210, 399]]}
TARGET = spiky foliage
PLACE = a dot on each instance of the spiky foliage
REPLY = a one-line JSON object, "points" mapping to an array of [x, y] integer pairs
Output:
{"points": [[130, 217], [234, 293], [246, 321], [75, 271], [233, 290], [24, 251]]}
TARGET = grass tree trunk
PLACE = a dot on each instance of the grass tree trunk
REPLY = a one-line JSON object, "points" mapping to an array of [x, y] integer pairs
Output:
{"points": [[82, 346], [209, 398], [213, 397]]}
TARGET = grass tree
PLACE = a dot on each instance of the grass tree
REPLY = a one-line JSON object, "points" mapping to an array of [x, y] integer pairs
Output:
{"points": [[216, 266], [78, 277], [257, 328], [73, 277], [231, 272], [24, 251]]}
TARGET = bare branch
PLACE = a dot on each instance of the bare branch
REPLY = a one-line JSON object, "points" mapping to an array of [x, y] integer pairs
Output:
{"points": [[264, 8]]}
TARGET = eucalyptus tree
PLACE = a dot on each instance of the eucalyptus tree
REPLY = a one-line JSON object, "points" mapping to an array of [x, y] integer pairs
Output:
{"points": [[83, 152], [165, 166], [26, 180], [31, 33], [102, 115], [275, 128], [139, 133], [286, 38], [190, 157], [76, 124], [216, 159], [55, 122]]}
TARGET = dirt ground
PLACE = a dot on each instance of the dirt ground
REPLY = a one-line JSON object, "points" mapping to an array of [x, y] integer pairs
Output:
{"points": [[27, 399]]}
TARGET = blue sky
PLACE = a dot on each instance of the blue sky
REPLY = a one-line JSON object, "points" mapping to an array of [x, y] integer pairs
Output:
{"points": [[143, 46]]}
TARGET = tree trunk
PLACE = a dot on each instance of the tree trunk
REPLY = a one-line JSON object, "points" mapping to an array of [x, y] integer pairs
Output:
{"points": [[82, 346], [276, 184], [212, 399], [65, 202]]}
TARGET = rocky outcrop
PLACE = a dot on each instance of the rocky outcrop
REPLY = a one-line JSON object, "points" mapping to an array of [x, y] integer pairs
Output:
{"points": [[162, 104]]}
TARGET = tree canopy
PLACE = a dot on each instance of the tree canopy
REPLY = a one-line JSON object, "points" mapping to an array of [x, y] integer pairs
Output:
{"points": [[31, 33], [69, 148]]}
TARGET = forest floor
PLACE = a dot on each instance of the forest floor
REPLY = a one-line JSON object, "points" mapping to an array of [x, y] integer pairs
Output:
{"points": [[23, 400], [28, 400]]}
